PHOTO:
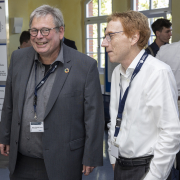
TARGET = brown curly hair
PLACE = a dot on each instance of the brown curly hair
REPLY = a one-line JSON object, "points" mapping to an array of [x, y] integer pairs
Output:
{"points": [[133, 22]]}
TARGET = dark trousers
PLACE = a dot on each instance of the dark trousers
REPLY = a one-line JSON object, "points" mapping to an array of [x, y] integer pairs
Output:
{"points": [[28, 168], [131, 173]]}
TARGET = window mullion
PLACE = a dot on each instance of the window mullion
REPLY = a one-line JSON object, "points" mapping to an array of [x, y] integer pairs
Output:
{"points": [[150, 4]]}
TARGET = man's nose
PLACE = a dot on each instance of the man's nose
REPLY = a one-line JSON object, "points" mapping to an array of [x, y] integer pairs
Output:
{"points": [[104, 43], [39, 35]]}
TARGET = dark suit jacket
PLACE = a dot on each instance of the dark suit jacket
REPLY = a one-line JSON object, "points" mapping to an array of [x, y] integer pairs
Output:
{"points": [[70, 43], [73, 122]]}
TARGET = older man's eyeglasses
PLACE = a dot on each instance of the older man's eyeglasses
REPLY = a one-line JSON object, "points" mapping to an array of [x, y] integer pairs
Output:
{"points": [[109, 36], [44, 31]]}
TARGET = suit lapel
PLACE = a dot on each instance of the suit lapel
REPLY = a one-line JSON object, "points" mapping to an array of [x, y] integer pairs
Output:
{"points": [[25, 73], [60, 79]]}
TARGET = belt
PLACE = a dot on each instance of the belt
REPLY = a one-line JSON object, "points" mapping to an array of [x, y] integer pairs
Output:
{"points": [[130, 162], [178, 97]]}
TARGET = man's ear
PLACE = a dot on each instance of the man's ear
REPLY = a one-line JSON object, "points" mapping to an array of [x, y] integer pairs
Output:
{"points": [[61, 34], [157, 33], [134, 39]]}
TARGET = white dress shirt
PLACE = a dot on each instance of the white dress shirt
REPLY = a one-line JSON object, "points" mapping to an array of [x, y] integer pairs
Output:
{"points": [[170, 54], [150, 123]]}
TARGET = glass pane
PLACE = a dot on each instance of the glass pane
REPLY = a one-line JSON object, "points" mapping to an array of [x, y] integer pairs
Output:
{"points": [[106, 7], [94, 56], [102, 29], [156, 4], [102, 48], [92, 8], [102, 64], [92, 31], [91, 45], [141, 5]]}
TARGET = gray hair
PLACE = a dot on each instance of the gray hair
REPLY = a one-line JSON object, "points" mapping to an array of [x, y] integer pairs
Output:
{"points": [[45, 10]]}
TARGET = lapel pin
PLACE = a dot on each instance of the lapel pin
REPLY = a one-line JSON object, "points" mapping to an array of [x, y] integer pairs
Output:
{"points": [[66, 70]]}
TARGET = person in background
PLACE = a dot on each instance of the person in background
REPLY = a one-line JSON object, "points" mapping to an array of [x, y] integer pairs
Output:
{"points": [[144, 132], [170, 54], [24, 40], [163, 32], [69, 42], [52, 121]]}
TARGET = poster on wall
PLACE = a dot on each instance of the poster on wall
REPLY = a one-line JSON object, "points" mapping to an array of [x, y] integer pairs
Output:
{"points": [[2, 21], [3, 62], [2, 93]]}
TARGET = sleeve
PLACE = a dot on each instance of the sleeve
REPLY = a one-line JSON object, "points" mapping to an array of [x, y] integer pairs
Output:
{"points": [[162, 103], [113, 114], [6, 116], [158, 56], [93, 119]]}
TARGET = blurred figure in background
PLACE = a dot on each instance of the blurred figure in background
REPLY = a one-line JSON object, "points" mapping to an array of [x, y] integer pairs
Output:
{"points": [[163, 32]]}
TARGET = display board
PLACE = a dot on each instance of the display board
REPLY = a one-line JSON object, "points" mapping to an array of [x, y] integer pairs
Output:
{"points": [[2, 93], [3, 62], [2, 21], [3, 50]]}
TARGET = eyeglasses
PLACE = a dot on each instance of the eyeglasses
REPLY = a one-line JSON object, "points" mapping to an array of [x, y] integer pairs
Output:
{"points": [[109, 36], [44, 31]]}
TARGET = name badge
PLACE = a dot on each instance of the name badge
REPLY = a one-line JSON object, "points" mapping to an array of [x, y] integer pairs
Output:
{"points": [[36, 126], [114, 150]]}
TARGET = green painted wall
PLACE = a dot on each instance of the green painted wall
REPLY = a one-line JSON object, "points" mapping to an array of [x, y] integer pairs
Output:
{"points": [[73, 11], [175, 20]]}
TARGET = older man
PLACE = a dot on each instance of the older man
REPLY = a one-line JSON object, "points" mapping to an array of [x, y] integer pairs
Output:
{"points": [[144, 132], [52, 117]]}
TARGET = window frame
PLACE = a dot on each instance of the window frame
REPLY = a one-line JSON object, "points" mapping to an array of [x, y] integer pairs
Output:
{"points": [[153, 13], [95, 20]]}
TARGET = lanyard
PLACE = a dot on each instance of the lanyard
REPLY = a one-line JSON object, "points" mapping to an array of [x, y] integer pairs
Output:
{"points": [[123, 100], [41, 83]]}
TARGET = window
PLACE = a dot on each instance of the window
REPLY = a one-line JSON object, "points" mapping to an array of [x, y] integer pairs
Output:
{"points": [[153, 9], [96, 12]]}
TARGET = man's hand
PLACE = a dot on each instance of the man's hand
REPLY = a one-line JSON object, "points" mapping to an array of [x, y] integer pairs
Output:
{"points": [[87, 170], [113, 165], [4, 149]]}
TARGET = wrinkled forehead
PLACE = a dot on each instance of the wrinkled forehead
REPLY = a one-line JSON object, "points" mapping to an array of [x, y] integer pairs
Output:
{"points": [[114, 26], [44, 20]]}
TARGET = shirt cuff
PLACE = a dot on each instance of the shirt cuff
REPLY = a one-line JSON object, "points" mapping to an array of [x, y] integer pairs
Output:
{"points": [[112, 159]]}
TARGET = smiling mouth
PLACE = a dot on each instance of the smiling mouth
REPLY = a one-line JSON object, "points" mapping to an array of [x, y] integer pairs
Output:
{"points": [[41, 43]]}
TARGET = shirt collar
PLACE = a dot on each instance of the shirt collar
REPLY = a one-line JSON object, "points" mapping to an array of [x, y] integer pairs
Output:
{"points": [[59, 58], [155, 46], [132, 66]]}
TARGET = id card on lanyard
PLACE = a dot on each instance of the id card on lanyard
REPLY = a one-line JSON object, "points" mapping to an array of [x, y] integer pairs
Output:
{"points": [[114, 145]]}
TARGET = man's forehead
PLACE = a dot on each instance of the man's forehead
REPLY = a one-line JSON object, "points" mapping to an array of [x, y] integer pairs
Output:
{"points": [[43, 20], [114, 26], [167, 29]]}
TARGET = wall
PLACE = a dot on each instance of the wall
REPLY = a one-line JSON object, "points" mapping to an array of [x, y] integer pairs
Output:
{"points": [[175, 20], [23, 8], [73, 11]]}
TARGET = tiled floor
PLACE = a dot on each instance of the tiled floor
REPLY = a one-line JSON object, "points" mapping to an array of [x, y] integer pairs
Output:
{"points": [[100, 173]]}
